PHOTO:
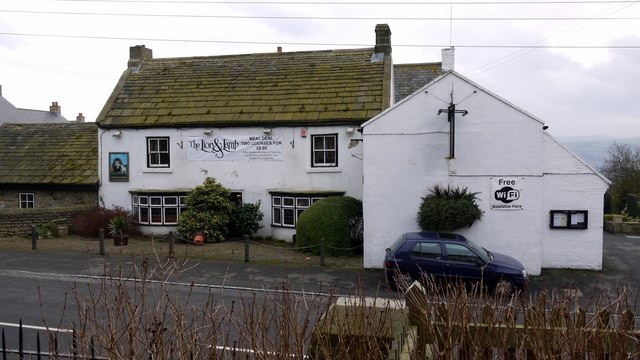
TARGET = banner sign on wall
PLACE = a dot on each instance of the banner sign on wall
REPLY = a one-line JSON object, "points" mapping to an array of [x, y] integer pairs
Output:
{"points": [[235, 148], [506, 193]]}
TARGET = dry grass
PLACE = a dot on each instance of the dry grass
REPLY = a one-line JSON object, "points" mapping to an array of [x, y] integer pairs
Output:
{"points": [[260, 250]]}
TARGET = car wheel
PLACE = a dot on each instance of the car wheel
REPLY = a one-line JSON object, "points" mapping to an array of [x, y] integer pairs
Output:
{"points": [[505, 287]]}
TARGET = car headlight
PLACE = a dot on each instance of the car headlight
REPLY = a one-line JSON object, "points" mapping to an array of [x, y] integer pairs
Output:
{"points": [[524, 273]]}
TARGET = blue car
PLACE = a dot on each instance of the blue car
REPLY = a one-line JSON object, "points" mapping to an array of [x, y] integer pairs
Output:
{"points": [[451, 257]]}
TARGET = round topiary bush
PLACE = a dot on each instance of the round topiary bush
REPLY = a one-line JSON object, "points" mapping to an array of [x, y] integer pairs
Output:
{"points": [[209, 210], [446, 209], [331, 219]]}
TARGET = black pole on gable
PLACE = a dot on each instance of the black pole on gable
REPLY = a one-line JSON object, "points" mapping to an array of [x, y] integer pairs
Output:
{"points": [[451, 117], [451, 112]]}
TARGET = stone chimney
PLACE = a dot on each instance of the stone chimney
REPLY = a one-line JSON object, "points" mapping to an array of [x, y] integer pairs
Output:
{"points": [[55, 108], [448, 59], [138, 54], [80, 118], [0, 90], [383, 39]]}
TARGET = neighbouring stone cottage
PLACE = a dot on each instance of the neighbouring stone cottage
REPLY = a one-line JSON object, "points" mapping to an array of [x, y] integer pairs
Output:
{"points": [[48, 172]]}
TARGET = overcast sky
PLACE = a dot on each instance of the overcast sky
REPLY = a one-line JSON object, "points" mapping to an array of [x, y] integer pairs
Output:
{"points": [[573, 64]]}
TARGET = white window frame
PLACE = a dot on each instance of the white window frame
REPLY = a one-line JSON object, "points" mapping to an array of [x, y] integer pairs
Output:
{"points": [[155, 156], [26, 199], [316, 162], [290, 205], [157, 204]]}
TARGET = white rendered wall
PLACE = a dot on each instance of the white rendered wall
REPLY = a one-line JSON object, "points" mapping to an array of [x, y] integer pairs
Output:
{"points": [[406, 150], [253, 178], [572, 185]]}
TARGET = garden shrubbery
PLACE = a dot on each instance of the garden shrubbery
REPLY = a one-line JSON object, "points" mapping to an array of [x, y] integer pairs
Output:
{"points": [[329, 219], [448, 208], [89, 223], [209, 210]]}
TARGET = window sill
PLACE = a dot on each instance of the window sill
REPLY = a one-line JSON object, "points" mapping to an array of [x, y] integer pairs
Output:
{"points": [[336, 169], [158, 170]]}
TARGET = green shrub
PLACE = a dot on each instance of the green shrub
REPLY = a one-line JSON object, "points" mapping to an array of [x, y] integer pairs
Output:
{"points": [[446, 209], [209, 210], [329, 219], [49, 229], [246, 218]]}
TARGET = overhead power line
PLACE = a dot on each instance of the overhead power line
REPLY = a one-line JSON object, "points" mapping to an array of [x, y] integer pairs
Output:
{"points": [[369, 3], [322, 44], [316, 17]]}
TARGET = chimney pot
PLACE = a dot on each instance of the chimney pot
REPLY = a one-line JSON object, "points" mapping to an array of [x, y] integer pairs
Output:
{"points": [[138, 54], [448, 59], [383, 39], [55, 108], [279, 49], [80, 118]]}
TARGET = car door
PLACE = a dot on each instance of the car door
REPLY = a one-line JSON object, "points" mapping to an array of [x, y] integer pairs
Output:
{"points": [[462, 263], [426, 257]]}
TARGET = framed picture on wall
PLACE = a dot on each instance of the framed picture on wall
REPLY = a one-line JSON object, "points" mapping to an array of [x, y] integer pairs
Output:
{"points": [[118, 166]]}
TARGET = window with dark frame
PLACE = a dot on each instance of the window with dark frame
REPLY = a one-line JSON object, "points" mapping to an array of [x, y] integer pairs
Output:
{"points": [[158, 152], [568, 219], [27, 200], [324, 150]]}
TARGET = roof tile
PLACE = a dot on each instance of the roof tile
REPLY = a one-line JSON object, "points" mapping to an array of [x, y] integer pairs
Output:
{"points": [[272, 87], [60, 153]]}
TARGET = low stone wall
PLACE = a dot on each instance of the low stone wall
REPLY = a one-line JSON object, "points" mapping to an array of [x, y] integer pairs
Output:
{"points": [[18, 222], [617, 226]]}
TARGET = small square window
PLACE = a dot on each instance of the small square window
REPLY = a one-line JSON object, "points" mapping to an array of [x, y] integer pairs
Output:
{"points": [[27, 200], [158, 152], [324, 151]]}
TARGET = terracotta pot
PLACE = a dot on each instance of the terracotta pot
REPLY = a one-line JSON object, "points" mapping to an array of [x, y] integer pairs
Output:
{"points": [[120, 240], [198, 238]]}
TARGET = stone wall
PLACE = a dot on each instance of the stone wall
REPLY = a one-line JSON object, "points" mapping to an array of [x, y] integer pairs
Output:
{"points": [[620, 227], [49, 197], [18, 222]]}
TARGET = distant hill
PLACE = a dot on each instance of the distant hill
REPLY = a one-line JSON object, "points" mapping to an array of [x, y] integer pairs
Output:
{"points": [[594, 150]]}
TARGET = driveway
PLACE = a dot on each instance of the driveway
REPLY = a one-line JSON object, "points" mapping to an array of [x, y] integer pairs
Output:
{"points": [[620, 257]]}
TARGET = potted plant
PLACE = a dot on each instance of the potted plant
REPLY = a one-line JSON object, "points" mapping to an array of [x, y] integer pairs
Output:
{"points": [[117, 226]]}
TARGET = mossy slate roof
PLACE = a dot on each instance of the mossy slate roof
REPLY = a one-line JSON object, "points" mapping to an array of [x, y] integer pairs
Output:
{"points": [[60, 154], [310, 87], [410, 77]]}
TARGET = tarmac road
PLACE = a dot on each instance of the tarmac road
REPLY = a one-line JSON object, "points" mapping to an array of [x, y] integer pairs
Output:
{"points": [[621, 254]]}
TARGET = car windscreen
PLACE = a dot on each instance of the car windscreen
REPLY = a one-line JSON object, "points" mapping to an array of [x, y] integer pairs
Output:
{"points": [[482, 252]]}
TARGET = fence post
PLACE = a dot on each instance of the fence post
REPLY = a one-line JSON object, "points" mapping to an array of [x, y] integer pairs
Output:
{"points": [[20, 342], [321, 251], [34, 237], [246, 247], [172, 241], [101, 237]]}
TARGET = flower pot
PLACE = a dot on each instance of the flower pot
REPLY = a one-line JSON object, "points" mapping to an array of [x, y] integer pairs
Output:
{"points": [[120, 240], [198, 238]]}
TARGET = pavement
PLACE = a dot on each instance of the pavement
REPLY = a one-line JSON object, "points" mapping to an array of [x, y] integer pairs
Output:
{"points": [[621, 254]]}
